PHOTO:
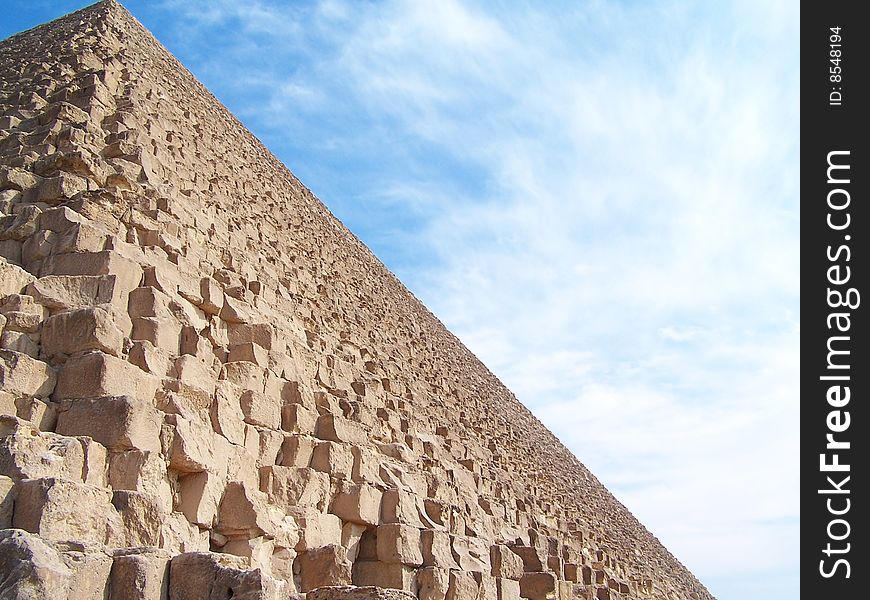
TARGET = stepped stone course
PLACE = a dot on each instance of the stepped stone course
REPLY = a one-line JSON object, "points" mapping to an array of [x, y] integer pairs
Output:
{"points": [[212, 389]]}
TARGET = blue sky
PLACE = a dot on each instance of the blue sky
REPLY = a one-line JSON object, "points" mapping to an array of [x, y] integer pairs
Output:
{"points": [[600, 198]]}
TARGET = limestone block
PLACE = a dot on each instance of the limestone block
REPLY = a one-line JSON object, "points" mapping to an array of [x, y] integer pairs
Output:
{"points": [[400, 506], [287, 487], [141, 518], [298, 419], [162, 332], [58, 509], [333, 458], [194, 374], [23, 375], [437, 551], [107, 262], [97, 375], [41, 413], [200, 497], [19, 342], [81, 330], [142, 471], [7, 499], [140, 574], [249, 352], [316, 529], [64, 292], [398, 543], [508, 589], [195, 448], [261, 334], [327, 565], [339, 429], [358, 593], [463, 586], [296, 451], [505, 563], [244, 511], [212, 296], [573, 572], [210, 576], [13, 279], [177, 534], [246, 375], [538, 586], [31, 567], [29, 454], [351, 538], [236, 311], [357, 503], [432, 583], [260, 409], [486, 586], [534, 557], [117, 422], [96, 462], [385, 575], [150, 358], [472, 553], [226, 414], [366, 465]]}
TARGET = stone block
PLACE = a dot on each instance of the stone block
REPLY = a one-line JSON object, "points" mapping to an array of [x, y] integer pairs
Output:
{"points": [[316, 529], [141, 518], [296, 451], [538, 586], [246, 375], [338, 429], [106, 262], [226, 414], [58, 509], [140, 574], [117, 422], [534, 557], [212, 576], [333, 458], [398, 543], [463, 586], [432, 583], [298, 419], [437, 551], [287, 487], [22, 375], [505, 563], [200, 497], [327, 565], [31, 568], [7, 499], [385, 575], [13, 279], [507, 589], [195, 448], [357, 503], [244, 511], [26, 453], [97, 375], [260, 409], [81, 330]]}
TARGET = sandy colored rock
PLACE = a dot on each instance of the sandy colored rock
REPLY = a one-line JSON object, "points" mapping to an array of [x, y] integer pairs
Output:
{"points": [[58, 509], [118, 422]]}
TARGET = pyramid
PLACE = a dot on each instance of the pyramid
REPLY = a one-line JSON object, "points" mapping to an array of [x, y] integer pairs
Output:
{"points": [[212, 389]]}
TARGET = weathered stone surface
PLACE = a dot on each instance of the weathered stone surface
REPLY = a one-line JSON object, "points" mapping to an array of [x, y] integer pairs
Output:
{"points": [[288, 487], [399, 543], [357, 503], [505, 563], [357, 593], [58, 509], [140, 574], [537, 586], [23, 375], [210, 576], [117, 422], [81, 330], [96, 375], [324, 566], [385, 575], [31, 568]]}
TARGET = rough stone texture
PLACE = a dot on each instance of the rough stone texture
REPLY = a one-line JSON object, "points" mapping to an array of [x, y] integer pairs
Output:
{"points": [[197, 358]]}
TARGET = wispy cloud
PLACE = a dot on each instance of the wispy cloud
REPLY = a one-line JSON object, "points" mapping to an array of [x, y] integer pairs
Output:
{"points": [[601, 200]]}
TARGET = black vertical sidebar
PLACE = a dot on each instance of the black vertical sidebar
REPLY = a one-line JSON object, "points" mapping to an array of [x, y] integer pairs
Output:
{"points": [[835, 225]]}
